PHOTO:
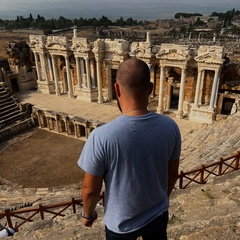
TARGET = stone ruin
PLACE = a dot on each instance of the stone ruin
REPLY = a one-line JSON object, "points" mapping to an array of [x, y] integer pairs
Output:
{"points": [[197, 82]]}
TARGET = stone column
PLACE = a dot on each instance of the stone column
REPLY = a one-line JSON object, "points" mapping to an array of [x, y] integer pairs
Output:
{"points": [[214, 89], [55, 72], [181, 95], [82, 70], [25, 71], [88, 72], [37, 67], [201, 89], [78, 72], [161, 88], [75, 130], [50, 67], [92, 71], [151, 70], [99, 81], [197, 92], [57, 125], [110, 87], [39, 120], [43, 63], [69, 79]]}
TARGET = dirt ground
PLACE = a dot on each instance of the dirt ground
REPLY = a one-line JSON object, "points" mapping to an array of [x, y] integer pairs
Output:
{"points": [[38, 158]]}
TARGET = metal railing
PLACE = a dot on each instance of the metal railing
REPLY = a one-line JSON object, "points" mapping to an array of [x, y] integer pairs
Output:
{"points": [[28, 214], [200, 175]]}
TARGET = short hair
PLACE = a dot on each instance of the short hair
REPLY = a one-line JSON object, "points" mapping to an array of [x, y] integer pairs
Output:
{"points": [[133, 75]]}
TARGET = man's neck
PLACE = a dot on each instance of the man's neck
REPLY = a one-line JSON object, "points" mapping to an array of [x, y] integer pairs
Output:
{"points": [[135, 112]]}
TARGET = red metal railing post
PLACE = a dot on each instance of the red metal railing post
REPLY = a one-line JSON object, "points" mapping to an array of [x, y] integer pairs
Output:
{"points": [[73, 205], [237, 161], [202, 174], [180, 176], [41, 211], [8, 217], [220, 167]]}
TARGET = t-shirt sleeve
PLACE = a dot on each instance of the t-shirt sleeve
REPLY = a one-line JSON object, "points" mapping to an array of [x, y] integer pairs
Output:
{"points": [[178, 143], [92, 157]]}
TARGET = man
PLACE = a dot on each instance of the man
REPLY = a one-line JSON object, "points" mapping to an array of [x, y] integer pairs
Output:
{"points": [[137, 157]]}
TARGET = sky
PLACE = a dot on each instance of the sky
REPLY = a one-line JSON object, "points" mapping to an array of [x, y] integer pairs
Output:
{"points": [[113, 9]]}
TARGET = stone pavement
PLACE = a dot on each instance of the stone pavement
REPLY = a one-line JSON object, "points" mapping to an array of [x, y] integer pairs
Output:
{"points": [[88, 110]]}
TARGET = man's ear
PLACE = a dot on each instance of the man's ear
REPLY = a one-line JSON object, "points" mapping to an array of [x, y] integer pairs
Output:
{"points": [[117, 89]]}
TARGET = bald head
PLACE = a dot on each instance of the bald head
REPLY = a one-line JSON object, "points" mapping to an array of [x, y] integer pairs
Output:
{"points": [[133, 75]]}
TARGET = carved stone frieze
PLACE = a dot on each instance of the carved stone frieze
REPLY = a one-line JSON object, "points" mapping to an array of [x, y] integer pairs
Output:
{"points": [[37, 41], [174, 52], [98, 46], [81, 45], [118, 46], [58, 43], [210, 55], [141, 50]]}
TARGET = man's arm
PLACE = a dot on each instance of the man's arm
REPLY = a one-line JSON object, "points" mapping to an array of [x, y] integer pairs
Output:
{"points": [[172, 174], [91, 189]]}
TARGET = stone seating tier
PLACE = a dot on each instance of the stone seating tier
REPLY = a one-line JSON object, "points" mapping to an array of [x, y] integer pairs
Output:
{"points": [[9, 109]]}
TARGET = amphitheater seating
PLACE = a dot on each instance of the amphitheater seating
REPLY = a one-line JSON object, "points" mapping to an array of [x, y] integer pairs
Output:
{"points": [[9, 109]]}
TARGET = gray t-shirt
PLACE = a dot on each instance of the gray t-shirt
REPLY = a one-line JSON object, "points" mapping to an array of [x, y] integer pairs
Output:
{"points": [[132, 155]]}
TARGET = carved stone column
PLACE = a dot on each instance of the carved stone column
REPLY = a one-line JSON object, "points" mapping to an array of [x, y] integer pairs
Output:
{"points": [[50, 67], [214, 89], [88, 72], [197, 92], [92, 71], [82, 72], [37, 67], [55, 72], [110, 87], [78, 72], [99, 81], [151, 70], [161, 88], [69, 79], [43, 63], [181, 95]]}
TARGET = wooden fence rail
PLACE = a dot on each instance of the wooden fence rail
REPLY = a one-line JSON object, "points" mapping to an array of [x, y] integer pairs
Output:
{"points": [[28, 214], [200, 175]]}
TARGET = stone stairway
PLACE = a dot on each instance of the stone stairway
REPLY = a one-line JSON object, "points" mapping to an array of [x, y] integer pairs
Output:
{"points": [[210, 142], [9, 109]]}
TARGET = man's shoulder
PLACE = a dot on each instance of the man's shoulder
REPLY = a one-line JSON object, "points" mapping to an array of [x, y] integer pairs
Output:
{"points": [[112, 125]]}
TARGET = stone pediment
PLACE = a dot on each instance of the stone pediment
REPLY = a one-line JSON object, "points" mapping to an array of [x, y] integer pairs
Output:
{"points": [[141, 50], [210, 54], [209, 58], [57, 43], [174, 52], [81, 45], [37, 41]]}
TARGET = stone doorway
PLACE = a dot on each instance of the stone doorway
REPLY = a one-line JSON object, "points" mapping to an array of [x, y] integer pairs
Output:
{"points": [[14, 85], [227, 105], [113, 77], [174, 96]]}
